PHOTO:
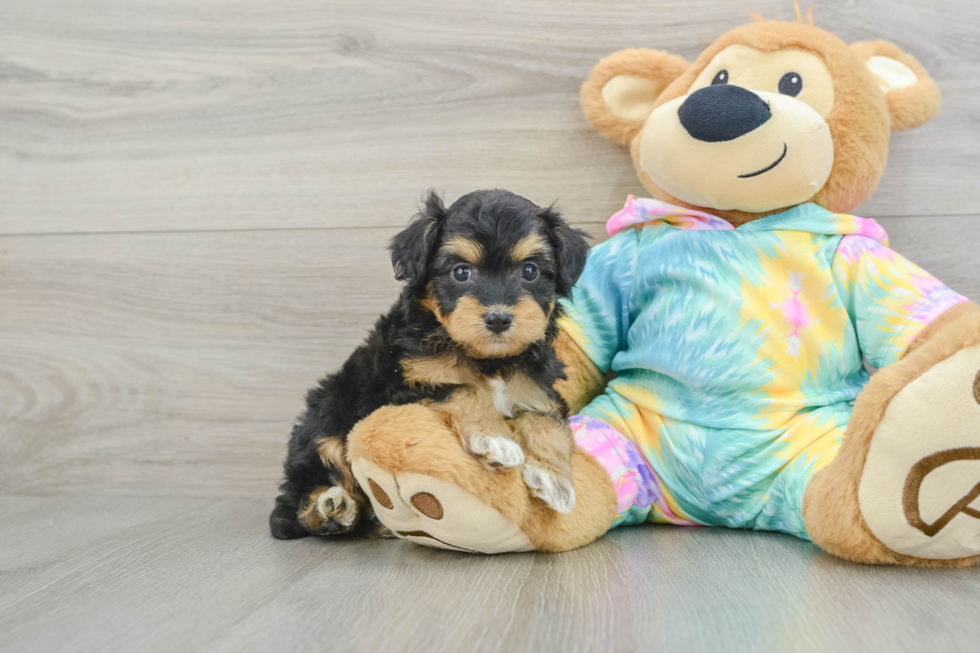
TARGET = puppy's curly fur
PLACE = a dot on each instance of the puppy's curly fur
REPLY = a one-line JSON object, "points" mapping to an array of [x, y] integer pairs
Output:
{"points": [[472, 333]]}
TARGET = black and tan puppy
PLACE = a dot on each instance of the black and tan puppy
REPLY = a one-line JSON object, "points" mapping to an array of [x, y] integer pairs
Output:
{"points": [[471, 334]]}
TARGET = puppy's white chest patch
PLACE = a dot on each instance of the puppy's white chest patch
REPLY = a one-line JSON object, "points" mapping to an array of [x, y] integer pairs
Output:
{"points": [[501, 401], [518, 392]]}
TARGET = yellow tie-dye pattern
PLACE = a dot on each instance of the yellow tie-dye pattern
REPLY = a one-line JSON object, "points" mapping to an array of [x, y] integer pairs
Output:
{"points": [[903, 279], [789, 358], [653, 437], [647, 430], [576, 330], [808, 437]]}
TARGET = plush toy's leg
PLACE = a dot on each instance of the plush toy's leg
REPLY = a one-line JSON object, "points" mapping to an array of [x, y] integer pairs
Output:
{"points": [[427, 489], [904, 487]]}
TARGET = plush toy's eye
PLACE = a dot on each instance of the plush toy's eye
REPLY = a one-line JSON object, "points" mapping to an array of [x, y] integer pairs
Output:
{"points": [[791, 84], [462, 273], [720, 78], [529, 272]]}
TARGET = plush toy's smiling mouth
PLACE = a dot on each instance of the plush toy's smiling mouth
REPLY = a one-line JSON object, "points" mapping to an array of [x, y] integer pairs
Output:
{"points": [[768, 167]]}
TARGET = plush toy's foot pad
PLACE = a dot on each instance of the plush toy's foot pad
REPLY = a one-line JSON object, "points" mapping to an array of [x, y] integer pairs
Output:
{"points": [[436, 513], [920, 488]]}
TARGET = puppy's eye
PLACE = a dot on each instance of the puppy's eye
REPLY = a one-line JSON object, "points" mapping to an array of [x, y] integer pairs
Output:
{"points": [[791, 84], [529, 272], [462, 273], [720, 78]]}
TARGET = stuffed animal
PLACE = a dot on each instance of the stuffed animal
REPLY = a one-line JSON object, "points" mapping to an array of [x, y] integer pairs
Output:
{"points": [[734, 314]]}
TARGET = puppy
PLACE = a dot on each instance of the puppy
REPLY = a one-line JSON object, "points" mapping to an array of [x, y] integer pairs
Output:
{"points": [[471, 335]]}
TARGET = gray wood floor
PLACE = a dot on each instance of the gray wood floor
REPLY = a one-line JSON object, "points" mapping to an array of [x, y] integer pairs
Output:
{"points": [[183, 574], [194, 202]]}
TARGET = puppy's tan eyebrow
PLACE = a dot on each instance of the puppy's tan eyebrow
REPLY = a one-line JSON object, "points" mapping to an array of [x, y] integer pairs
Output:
{"points": [[528, 246], [468, 250]]}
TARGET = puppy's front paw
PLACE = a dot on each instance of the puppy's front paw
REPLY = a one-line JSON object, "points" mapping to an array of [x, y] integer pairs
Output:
{"points": [[337, 504], [556, 490], [331, 511], [494, 452]]}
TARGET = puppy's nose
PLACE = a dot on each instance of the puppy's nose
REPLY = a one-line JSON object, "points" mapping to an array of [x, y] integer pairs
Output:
{"points": [[498, 321], [722, 112]]}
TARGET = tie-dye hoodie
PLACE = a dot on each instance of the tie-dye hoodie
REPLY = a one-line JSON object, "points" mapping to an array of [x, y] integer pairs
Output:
{"points": [[738, 352]]}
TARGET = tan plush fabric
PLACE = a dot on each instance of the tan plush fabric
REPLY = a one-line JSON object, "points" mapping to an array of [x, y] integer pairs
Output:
{"points": [[584, 381], [659, 67], [413, 440], [912, 106], [630, 98], [795, 147]]}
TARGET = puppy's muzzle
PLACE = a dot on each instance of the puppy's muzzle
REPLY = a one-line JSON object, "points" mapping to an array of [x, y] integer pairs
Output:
{"points": [[498, 321]]}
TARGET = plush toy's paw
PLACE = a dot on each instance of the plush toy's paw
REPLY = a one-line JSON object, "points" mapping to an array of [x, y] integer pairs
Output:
{"points": [[495, 453], [428, 490], [920, 488], [556, 489], [330, 511], [436, 513]]}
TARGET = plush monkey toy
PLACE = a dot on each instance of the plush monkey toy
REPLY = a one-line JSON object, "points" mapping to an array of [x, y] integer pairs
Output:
{"points": [[736, 310]]}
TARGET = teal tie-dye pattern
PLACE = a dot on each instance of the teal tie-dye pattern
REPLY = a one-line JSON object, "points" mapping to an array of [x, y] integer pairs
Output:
{"points": [[738, 352]]}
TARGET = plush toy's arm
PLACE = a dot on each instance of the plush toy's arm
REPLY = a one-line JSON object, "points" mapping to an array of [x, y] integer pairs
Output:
{"points": [[597, 318], [940, 328], [894, 304], [584, 380]]}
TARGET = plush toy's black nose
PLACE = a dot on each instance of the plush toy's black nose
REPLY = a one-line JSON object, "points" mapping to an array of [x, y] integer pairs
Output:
{"points": [[722, 112], [497, 322]]}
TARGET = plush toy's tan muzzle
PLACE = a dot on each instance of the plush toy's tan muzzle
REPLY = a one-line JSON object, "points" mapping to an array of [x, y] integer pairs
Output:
{"points": [[770, 162]]}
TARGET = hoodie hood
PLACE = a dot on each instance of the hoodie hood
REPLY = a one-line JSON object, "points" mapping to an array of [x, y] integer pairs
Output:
{"points": [[808, 217]]}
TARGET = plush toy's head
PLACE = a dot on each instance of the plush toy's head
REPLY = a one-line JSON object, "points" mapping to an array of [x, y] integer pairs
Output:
{"points": [[770, 116]]}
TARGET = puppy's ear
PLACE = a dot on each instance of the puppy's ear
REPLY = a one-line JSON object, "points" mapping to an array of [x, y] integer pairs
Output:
{"points": [[571, 249], [913, 98], [411, 249], [622, 89]]}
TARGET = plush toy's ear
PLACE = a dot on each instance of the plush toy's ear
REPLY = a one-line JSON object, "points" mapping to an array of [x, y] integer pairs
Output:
{"points": [[571, 249], [913, 98], [621, 91], [411, 249]]}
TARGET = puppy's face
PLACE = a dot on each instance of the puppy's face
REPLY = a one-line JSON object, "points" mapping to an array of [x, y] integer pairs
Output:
{"points": [[496, 267], [494, 289]]}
